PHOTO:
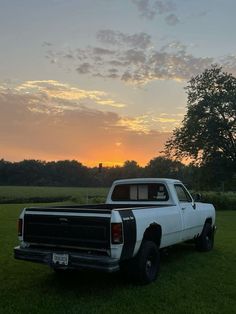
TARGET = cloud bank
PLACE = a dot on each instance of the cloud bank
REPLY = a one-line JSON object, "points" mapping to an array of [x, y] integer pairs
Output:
{"points": [[44, 120], [133, 59]]}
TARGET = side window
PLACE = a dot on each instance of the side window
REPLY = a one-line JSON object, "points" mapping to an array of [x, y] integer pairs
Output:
{"points": [[182, 194]]}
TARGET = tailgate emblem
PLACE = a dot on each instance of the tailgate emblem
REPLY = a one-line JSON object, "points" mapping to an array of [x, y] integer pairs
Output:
{"points": [[128, 218]]}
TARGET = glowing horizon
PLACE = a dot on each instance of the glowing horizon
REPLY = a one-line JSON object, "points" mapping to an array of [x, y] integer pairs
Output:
{"points": [[87, 163]]}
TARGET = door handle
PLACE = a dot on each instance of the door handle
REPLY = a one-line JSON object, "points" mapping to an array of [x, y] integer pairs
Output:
{"points": [[183, 208]]}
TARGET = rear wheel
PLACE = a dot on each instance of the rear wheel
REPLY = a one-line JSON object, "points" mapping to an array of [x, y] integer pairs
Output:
{"points": [[144, 267], [205, 241]]}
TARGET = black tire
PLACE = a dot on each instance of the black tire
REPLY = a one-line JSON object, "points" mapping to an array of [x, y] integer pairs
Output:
{"points": [[205, 241], [146, 264]]}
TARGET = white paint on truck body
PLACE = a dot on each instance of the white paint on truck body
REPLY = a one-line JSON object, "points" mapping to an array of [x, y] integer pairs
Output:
{"points": [[179, 220]]}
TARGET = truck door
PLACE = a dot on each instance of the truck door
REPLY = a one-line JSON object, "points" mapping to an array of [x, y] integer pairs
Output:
{"points": [[188, 212]]}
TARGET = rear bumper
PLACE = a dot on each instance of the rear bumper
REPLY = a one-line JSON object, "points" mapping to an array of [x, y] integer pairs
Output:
{"points": [[76, 260]]}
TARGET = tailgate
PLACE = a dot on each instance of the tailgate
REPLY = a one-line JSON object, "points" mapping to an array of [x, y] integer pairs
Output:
{"points": [[64, 229]]}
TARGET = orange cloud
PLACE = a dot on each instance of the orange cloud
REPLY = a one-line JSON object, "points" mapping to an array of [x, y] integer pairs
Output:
{"points": [[34, 126], [59, 91]]}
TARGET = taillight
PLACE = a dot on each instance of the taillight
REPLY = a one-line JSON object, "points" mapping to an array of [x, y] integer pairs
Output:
{"points": [[116, 233], [20, 225]]}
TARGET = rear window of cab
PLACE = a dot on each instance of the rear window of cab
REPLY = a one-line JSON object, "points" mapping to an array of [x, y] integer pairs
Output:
{"points": [[151, 192]]}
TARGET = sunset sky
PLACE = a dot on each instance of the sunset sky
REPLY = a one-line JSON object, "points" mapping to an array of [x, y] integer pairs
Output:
{"points": [[103, 80]]}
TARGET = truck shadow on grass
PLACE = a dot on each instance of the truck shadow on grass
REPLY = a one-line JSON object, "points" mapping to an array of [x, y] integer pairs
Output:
{"points": [[84, 285], [176, 258]]}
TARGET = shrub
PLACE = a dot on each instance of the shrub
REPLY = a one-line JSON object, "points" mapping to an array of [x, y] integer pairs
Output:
{"points": [[220, 200]]}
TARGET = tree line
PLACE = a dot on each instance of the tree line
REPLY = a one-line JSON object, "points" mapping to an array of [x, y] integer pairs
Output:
{"points": [[74, 173]]}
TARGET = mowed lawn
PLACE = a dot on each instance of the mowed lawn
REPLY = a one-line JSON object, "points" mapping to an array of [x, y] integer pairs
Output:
{"points": [[189, 282]]}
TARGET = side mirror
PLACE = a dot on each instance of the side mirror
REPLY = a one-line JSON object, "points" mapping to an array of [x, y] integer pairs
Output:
{"points": [[197, 197], [194, 205]]}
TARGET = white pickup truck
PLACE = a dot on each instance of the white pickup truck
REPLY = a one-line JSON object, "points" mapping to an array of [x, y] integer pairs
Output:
{"points": [[140, 217]]}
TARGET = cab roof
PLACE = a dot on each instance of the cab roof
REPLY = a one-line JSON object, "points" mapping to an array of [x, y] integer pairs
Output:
{"points": [[147, 180]]}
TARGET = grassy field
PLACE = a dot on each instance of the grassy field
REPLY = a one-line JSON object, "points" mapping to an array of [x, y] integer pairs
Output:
{"points": [[32, 194], [189, 282]]}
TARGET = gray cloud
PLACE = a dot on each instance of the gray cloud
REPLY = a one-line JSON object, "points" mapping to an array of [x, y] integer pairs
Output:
{"points": [[113, 73], [135, 60], [171, 19], [229, 63], [164, 6], [108, 36], [134, 56], [144, 8], [102, 51], [138, 40], [127, 76], [46, 44], [69, 56], [119, 63], [84, 68], [151, 8]]}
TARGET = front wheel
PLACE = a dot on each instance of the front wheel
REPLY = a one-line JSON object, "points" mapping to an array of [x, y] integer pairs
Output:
{"points": [[205, 241]]}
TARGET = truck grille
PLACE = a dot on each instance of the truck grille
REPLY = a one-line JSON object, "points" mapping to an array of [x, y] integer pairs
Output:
{"points": [[71, 231]]}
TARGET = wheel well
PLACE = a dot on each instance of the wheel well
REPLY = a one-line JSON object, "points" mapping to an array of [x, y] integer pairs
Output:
{"points": [[153, 233], [209, 221]]}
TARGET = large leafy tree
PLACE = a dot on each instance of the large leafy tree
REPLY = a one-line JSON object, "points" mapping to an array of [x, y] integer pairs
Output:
{"points": [[165, 168], [208, 130]]}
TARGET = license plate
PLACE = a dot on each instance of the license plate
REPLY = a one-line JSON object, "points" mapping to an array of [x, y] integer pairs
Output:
{"points": [[60, 259]]}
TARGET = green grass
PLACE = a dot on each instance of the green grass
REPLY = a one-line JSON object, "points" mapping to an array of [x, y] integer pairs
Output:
{"points": [[34, 194], [189, 282]]}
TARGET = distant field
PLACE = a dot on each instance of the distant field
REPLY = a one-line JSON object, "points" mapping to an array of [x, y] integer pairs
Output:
{"points": [[34, 194], [31, 194], [189, 282]]}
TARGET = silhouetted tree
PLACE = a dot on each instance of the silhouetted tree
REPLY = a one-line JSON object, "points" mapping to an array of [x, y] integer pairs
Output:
{"points": [[208, 132], [162, 167], [209, 126], [131, 169]]}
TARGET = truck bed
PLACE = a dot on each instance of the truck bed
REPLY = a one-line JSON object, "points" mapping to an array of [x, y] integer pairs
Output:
{"points": [[106, 208]]}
